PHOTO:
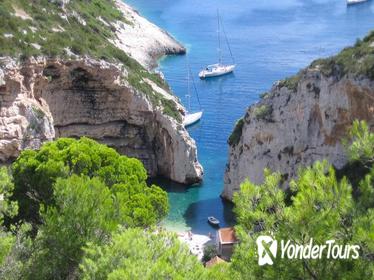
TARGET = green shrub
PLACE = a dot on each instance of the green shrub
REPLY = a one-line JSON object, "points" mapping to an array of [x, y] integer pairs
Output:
{"points": [[264, 95], [138, 254], [35, 173], [237, 133], [292, 82], [263, 112]]}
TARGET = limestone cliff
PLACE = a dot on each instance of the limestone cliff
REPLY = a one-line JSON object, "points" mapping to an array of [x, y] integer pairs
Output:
{"points": [[115, 101], [303, 119], [143, 40]]}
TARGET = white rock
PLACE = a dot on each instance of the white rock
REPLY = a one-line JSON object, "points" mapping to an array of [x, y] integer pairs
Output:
{"points": [[36, 46], [143, 40]]}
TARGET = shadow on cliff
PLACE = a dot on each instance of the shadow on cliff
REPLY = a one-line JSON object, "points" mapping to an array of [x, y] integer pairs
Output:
{"points": [[197, 213]]}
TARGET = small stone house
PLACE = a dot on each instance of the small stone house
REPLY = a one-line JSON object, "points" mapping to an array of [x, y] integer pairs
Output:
{"points": [[226, 239]]}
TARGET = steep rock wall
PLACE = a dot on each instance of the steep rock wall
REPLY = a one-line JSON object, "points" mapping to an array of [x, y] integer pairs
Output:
{"points": [[290, 128]]}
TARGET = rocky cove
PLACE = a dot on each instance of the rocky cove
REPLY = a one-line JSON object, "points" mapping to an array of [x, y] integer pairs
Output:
{"points": [[46, 98], [100, 179], [302, 119]]}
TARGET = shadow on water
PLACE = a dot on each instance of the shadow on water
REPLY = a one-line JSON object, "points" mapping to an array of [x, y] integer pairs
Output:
{"points": [[360, 8], [170, 186], [219, 80], [197, 213]]}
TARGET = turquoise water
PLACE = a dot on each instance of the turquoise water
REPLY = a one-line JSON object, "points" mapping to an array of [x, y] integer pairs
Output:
{"points": [[270, 39]]}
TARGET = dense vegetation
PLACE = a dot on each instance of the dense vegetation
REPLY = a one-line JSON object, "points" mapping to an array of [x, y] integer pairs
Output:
{"points": [[138, 254], [44, 24], [321, 207], [67, 194], [78, 28], [93, 217], [35, 173], [78, 210]]}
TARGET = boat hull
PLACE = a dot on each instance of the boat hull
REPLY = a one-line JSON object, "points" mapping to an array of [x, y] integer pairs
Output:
{"points": [[353, 2], [224, 70], [213, 221], [191, 119]]}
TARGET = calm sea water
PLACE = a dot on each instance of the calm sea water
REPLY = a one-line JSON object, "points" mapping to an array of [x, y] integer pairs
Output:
{"points": [[270, 40]]}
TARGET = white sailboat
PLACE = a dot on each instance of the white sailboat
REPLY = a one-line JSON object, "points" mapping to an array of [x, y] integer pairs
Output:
{"points": [[191, 118], [352, 2], [218, 69]]}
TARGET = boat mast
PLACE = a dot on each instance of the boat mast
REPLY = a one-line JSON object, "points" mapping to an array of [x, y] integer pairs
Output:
{"points": [[219, 39], [228, 43], [188, 86], [194, 86]]}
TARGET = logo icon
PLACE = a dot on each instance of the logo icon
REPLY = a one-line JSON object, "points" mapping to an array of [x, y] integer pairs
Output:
{"points": [[266, 249]]}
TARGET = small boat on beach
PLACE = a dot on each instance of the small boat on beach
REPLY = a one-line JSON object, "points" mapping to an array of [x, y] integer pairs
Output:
{"points": [[213, 221], [352, 2], [219, 69]]}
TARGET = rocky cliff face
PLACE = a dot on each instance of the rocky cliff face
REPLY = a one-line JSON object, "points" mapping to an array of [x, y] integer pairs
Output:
{"points": [[44, 99], [118, 103], [143, 40], [296, 125]]}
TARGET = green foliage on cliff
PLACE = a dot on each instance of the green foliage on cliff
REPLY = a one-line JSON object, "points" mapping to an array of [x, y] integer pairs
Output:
{"points": [[56, 29], [35, 173], [321, 207], [291, 82], [357, 60], [138, 82], [262, 112], [79, 28], [237, 133]]}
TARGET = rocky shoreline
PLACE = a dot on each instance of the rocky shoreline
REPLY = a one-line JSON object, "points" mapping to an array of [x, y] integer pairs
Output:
{"points": [[143, 40]]}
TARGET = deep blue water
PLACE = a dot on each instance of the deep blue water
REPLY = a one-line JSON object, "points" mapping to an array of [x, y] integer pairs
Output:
{"points": [[270, 39]]}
